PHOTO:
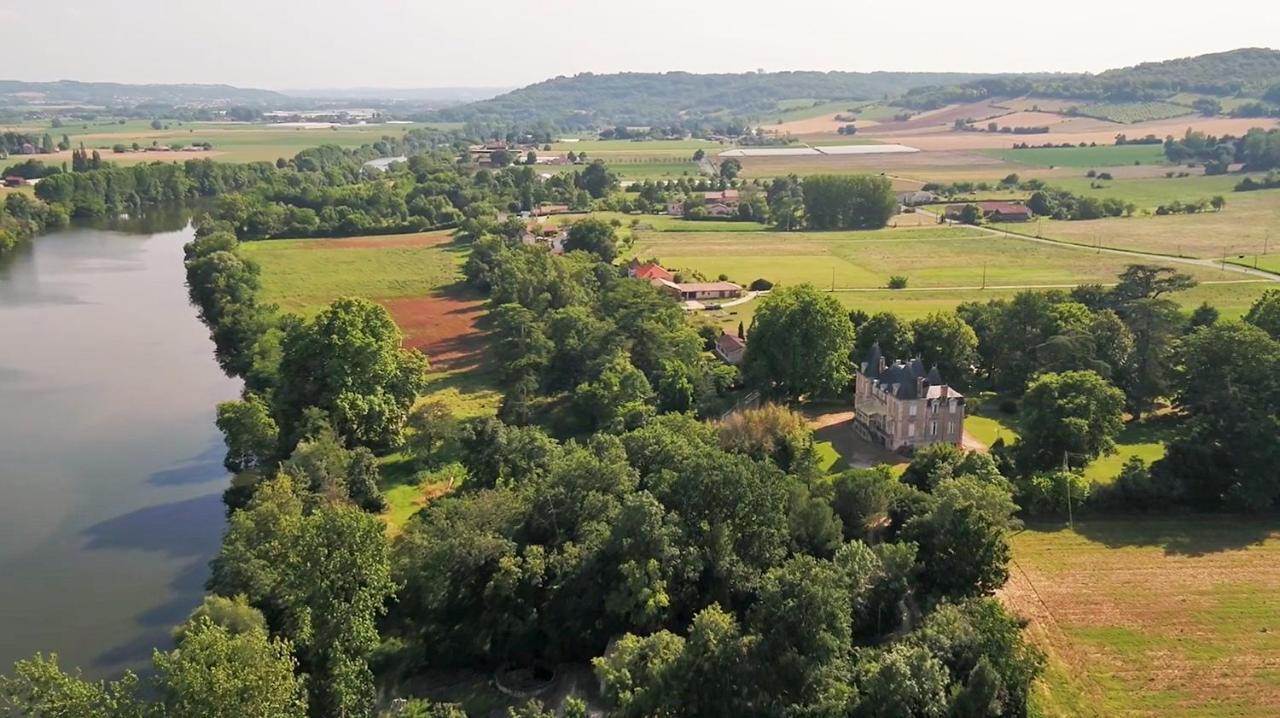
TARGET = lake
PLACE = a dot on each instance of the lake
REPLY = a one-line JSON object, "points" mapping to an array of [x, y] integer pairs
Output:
{"points": [[110, 463]]}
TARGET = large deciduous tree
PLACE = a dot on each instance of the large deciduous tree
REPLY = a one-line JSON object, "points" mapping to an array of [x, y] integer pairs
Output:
{"points": [[349, 363], [1076, 414], [799, 344], [945, 341]]}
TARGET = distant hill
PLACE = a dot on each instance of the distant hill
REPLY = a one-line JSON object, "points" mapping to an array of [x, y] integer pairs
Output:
{"points": [[589, 100], [681, 98], [112, 94], [1247, 72], [428, 95]]}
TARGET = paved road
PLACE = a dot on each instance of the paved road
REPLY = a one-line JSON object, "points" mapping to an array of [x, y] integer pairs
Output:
{"points": [[1207, 263]]}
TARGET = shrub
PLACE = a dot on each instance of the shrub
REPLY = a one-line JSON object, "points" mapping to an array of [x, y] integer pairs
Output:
{"points": [[1008, 406], [1048, 493], [761, 285], [897, 281]]}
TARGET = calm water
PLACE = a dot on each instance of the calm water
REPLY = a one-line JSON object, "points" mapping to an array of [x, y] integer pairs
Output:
{"points": [[110, 464]]}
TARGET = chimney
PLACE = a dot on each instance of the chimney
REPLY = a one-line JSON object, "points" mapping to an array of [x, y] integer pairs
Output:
{"points": [[882, 366]]}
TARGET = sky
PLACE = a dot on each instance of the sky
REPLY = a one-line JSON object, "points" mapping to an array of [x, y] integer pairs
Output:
{"points": [[283, 44]]}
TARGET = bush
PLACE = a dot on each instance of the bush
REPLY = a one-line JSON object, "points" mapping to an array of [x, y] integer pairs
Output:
{"points": [[761, 285], [1008, 406], [897, 281], [1135, 489], [1048, 493]]}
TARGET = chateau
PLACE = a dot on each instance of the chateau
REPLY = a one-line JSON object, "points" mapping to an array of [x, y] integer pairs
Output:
{"points": [[902, 407]]}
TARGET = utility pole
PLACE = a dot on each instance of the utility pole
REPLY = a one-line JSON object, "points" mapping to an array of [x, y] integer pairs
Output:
{"points": [[1066, 470]]}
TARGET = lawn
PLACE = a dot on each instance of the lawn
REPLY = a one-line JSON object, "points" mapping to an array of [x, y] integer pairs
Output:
{"points": [[1248, 225], [1082, 157], [1145, 440], [1169, 617]]}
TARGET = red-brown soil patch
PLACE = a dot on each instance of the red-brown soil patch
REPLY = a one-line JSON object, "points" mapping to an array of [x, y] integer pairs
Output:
{"points": [[424, 239], [443, 325]]}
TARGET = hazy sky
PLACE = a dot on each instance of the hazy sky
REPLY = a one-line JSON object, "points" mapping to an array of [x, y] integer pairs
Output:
{"points": [[445, 43]]}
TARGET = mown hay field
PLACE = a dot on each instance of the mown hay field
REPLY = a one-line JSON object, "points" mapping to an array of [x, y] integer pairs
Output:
{"points": [[1169, 617]]}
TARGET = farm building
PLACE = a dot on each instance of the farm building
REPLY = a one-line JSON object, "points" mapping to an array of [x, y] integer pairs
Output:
{"points": [[722, 203], [553, 242], [648, 270], [915, 198], [731, 348], [902, 407], [697, 291], [993, 211], [543, 210]]}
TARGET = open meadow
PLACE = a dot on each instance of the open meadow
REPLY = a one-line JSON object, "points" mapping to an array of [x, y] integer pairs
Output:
{"points": [[1167, 617]]}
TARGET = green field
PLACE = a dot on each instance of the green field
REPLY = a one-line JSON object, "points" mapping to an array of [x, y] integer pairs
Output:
{"points": [[304, 275], [1148, 193], [930, 257], [232, 142], [666, 223], [1169, 617], [1269, 262], [1082, 157], [661, 170]]}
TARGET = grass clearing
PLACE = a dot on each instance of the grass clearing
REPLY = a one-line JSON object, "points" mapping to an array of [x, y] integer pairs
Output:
{"points": [[1143, 439], [1165, 617]]}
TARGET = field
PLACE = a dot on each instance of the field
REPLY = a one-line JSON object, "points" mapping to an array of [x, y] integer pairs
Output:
{"points": [[930, 257], [1082, 157], [1167, 617], [232, 141], [1133, 112], [1248, 225], [416, 276]]}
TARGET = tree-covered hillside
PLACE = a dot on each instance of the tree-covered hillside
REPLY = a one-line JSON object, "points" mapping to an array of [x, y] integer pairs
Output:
{"points": [[110, 94], [1248, 71], [682, 98]]}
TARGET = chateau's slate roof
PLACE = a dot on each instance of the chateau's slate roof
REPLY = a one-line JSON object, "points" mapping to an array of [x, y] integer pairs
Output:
{"points": [[900, 378]]}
